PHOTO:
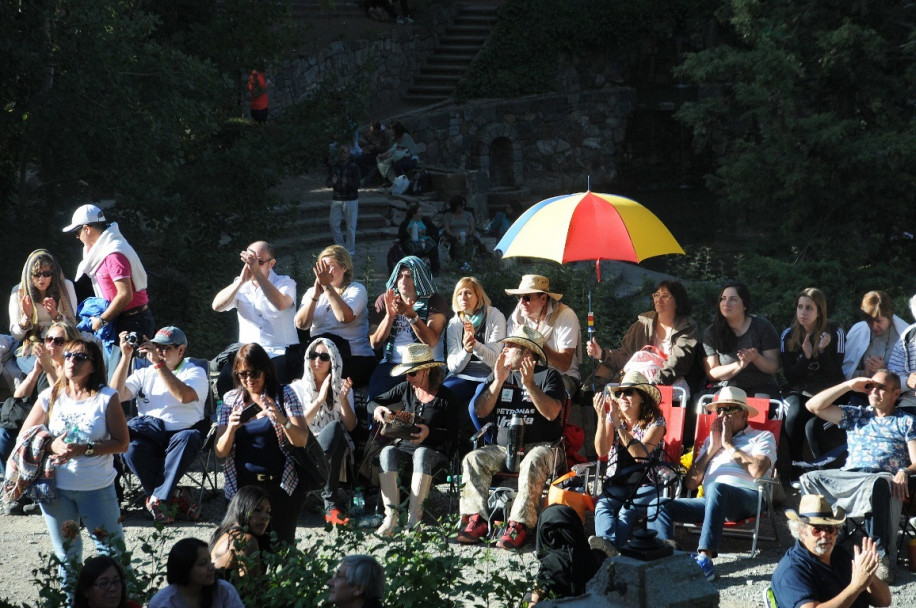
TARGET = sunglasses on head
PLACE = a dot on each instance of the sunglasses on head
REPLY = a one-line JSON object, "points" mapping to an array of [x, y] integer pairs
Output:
{"points": [[254, 374], [42, 273], [728, 409], [323, 356], [821, 528], [55, 340], [76, 356]]}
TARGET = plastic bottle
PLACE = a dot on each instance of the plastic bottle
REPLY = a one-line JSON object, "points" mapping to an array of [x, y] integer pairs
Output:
{"points": [[414, 232], [515, 450], [359, 503], [219, 409], [75, 435]]}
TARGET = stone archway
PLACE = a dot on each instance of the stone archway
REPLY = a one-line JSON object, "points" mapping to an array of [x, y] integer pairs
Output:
{"points": [[497, 151]]}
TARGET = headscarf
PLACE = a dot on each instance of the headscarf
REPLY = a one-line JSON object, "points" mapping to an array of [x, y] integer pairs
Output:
{"points": [[56, 290], [422, 277], [327, 413]]}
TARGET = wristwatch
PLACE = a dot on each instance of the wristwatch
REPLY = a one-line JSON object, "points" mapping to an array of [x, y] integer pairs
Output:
{"points": [[90, 449], [289, 424]]}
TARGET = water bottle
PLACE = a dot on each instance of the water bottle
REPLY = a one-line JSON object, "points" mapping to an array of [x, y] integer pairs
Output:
{"points": [[414, 231], [462, 237], [75, 435], [219, 410], [359, 503], [515, 450]]}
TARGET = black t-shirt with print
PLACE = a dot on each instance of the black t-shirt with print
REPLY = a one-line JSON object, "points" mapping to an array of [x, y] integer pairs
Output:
{"points": [[514, 399]]}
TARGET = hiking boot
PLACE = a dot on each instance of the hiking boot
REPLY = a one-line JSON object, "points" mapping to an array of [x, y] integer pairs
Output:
{"points": [[885, 571], [705, 564], [157, 510], [514, 536], [335, 517], [475, 529], [186, 505], [600, 543]]}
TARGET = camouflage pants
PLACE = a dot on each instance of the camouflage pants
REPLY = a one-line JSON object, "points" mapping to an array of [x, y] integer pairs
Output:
{"points": [[477, 471]]}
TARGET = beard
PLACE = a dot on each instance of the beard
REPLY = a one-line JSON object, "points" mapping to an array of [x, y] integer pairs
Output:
{"points": [[822, 547]]}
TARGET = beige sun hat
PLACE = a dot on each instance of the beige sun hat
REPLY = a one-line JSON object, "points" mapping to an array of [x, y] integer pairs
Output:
{"points": [[534, 283], [731, 395], [634, 379], [528, 338], [415, 357], [814, 509]]}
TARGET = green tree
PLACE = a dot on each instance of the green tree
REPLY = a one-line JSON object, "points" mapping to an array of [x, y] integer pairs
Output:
{"points": [[808, 107]]}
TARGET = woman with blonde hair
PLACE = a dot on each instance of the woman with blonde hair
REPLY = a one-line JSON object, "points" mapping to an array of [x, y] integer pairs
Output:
{"points": [[338, 305], [472, 336]]}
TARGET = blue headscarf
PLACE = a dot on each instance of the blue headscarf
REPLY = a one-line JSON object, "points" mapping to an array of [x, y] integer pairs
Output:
{"points": [[422, 277]]}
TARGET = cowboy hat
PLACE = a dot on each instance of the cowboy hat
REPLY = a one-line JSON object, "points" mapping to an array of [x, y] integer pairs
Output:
{"points": [[634, 379], [415, 357], [528, 338], [533, 283], [814, 509], [731, 395]]}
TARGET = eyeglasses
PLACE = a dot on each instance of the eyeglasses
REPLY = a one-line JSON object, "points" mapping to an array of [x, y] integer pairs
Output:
{"points": [[529, 296], [323, 356], [77, 356], [108, 583], [254, 374], [664, 297], [43, 273], [725, 410], [164, 347], [55, 340], [627, 392], [822, 529]]}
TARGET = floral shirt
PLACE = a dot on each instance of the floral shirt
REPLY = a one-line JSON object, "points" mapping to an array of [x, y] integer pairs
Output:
{"points": [[638, 433], [877, 443]]}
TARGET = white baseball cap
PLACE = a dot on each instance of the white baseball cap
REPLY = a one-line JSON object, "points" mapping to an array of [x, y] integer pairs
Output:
{"points": [[87, 214]]}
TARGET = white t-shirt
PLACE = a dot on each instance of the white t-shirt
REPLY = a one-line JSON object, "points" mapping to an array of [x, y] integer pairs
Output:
{"points": [[83, 473], [225, 597], [260, 321], [563, 334], [723, 468], [356, 332], [157, 402]]}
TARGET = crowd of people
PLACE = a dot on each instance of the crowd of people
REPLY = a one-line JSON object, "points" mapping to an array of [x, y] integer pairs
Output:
{"points": [[442, 371]]}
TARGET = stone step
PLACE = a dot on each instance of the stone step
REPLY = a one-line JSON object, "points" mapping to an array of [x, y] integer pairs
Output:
{"points": [[458, 49], [443, 90], [472, 28], [424, 99], [443, 69], [449, 61], [308, 8], [463, 39], [428, 77]]}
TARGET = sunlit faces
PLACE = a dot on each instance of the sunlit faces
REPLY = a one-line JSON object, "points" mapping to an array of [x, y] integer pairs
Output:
{"points": [[171, 353], [467, 300], [532, 304], [629, 400], [41, 278], [818, 539], [418, 377], [203, 574], [337, 271], [78, 363], [882, 392], [55, 341], [730, 304], [406, 285], [663, 301], [259, 518], [251, 379], [320, 359]]}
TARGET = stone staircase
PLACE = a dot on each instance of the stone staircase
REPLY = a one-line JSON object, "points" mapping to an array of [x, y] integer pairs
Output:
{"points": [[300, 9], [442, 70]]}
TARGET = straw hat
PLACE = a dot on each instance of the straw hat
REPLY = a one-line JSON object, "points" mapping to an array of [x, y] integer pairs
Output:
{"points": [[534, 283], [731, 395], [634, 379], [528, 338], [415, 357], [814, 509]]}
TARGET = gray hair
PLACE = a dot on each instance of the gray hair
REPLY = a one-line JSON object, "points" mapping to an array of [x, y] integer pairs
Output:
{"points": [[795, 527], [366, 572]]}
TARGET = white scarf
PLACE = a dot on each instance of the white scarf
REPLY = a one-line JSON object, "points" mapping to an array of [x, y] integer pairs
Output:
{"points": [[110, 242]]}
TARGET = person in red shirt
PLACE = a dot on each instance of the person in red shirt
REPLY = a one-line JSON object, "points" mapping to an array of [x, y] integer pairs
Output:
{"points": [[258, 84]]}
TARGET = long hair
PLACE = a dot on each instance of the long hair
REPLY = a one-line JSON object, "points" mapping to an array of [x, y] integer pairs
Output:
{"points": [[483, 300], [649, 411], [180, 563], [308, 376], [69, 329], [238, 512], [257, 358], [724, 339], [96, 379], [90, 573], [682, 307], [344, 260], [797, 334], [56, 289]]}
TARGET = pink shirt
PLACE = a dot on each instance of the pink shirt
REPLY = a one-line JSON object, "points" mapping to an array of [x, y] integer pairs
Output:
{"points": [[113, 268]]}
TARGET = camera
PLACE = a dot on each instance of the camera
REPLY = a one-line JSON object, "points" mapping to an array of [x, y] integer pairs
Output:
{"points": [[132, 338]]}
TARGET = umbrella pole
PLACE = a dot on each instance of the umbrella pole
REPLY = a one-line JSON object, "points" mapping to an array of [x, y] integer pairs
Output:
{"points": [[591, 328]]}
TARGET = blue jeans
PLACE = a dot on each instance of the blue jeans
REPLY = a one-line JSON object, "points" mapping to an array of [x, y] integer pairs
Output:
{"points": [[612, 520], [7, 443], [98, 510], [719, 502], [159, 458]]}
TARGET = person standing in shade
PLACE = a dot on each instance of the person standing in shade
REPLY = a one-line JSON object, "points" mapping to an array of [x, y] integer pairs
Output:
{"points": [[258, 85], [343, 180]]}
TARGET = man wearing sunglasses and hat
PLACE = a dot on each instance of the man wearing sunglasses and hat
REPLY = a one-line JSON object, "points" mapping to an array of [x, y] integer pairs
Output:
{"points": [[541, 310], [731, 458], [817, 572], [165, 435], [882, 456], [520, 385]]}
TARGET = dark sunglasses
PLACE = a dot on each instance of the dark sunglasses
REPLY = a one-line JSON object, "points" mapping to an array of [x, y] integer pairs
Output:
{"points": [[78, 357], [728, 409], [43, 273], [163, 347], [528, 297], [818, 528], [412, 374], [254, 374], [627, 392], [55, 340], [323, 356]]}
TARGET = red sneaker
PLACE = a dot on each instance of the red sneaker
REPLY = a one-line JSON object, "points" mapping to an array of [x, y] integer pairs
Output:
{"points": [[335, 517], [475, 530], [514, 536], [186, 505], [160, 511]]}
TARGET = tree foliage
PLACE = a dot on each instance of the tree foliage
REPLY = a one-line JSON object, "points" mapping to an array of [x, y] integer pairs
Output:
{"points": [[809, 109]]}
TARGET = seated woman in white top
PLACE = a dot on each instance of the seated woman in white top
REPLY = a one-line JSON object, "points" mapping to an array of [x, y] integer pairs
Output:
{"points": [[336, 304]]}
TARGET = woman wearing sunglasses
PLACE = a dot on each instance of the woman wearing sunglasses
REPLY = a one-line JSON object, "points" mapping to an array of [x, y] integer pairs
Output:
{"points": [[436, 422], [327, 399], [630, 431], [86, 426], [41, 298], [48, 367], [259, 424]]}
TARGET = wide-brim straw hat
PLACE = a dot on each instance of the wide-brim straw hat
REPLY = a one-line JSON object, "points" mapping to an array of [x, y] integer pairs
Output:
{"points": [[634, 379], [534, 283], [528, 338], [814, 509], [731, 395], [415, 357]]}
